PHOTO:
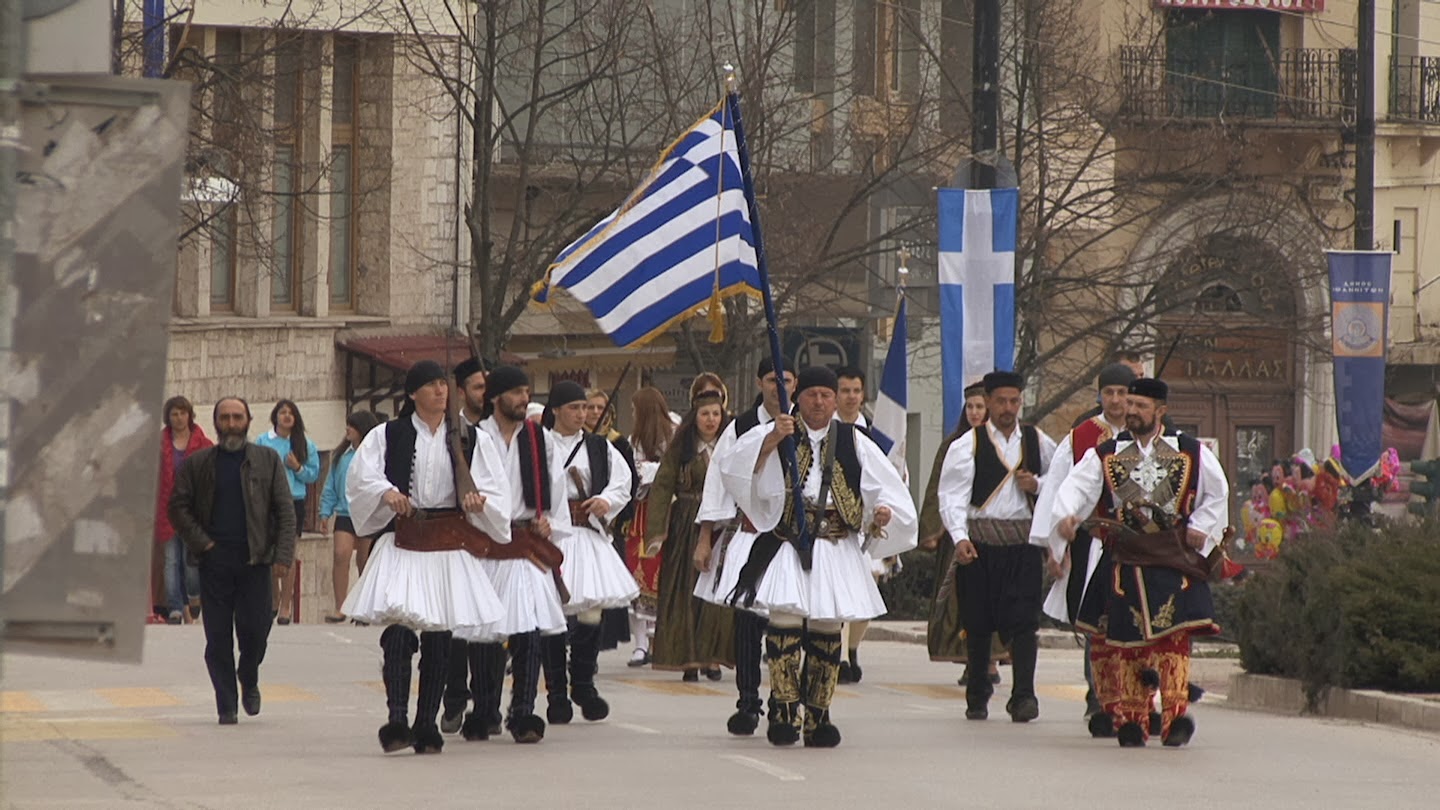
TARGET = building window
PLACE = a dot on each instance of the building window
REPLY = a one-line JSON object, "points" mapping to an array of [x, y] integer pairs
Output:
{"points": [[1223, 62], [284, 273], [902, 47], [344, 100], [222, 259], [864, 53], [804, 40]]}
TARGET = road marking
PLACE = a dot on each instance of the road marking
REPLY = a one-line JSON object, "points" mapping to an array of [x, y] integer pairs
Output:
{"points": [[933, 691], [673, 687], [141, 697], [339, 638], [19, 702], [766, 768], [635, 728], [1066, 692], [24, 729], [284, 693]]}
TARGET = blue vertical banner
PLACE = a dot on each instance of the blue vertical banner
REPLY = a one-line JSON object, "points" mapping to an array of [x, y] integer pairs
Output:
{"points": [[1359, 318], [977, 288]]}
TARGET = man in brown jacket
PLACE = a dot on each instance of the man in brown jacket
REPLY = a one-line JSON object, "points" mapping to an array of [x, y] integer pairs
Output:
{"points": [[231, 505]]}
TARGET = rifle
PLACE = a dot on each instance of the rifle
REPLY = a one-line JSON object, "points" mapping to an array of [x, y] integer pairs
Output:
{"points": [[609, 412]]}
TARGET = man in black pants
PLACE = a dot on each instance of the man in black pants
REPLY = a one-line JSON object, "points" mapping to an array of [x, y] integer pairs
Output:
{"points": [[987, 495], [231, 505]]}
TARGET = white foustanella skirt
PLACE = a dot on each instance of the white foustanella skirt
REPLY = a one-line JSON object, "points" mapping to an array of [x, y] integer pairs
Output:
{"points": [[715, 585], [594, 574], [424, 590], [838, 587], [528, 598]]}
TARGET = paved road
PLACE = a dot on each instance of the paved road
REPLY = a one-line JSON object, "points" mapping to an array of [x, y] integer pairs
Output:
{"points": [[80, 736]]}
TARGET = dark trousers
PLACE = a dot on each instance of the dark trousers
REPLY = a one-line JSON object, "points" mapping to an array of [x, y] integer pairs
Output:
{"points": [[235, 606], [399, 645], [1001, 590], [749, 638], [457, 686]]}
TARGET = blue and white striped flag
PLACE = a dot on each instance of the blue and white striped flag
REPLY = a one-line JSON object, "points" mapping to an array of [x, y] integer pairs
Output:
{"points": [[977, 289], [681, 243], [893, 402]]}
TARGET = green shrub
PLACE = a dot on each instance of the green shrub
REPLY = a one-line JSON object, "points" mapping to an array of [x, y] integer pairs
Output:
{"points": [[1358, 607], [908, 594]]}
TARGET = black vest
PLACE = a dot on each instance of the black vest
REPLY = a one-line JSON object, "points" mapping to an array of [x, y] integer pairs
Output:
{"points": [[597, 452], [990, 471], [400, 451], [747, 421], [534, 466]]}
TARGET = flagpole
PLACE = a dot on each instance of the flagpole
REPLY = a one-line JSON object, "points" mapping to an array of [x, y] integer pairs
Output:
{"points": [[803, 541]]}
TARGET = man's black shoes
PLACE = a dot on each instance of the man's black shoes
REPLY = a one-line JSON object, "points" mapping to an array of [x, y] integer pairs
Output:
{"points": [[250, 699]]}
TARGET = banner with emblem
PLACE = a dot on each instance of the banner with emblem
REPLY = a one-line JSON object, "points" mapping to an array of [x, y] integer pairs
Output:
{"points": [[1359, 318]]}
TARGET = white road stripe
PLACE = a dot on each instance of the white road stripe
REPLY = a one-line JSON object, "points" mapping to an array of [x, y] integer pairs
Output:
{"points": [[635, 728], [766, 768]]}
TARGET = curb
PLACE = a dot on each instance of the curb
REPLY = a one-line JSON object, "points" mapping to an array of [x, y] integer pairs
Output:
{"points": [[1268, 693], [908, 633]]}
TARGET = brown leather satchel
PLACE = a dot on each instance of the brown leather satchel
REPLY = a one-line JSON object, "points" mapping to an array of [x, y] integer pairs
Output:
{"points": [[1165, 549]]}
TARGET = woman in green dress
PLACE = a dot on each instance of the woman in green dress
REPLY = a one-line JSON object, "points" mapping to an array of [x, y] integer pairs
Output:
{"points": [[690, 635]]}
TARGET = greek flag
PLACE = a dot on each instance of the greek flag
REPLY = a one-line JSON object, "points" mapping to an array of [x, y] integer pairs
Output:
{"points": [[681, 243], [977, 289], [893, 401]]}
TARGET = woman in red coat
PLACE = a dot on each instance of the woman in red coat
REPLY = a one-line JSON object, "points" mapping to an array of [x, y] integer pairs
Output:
{"points": [[178, 440]]}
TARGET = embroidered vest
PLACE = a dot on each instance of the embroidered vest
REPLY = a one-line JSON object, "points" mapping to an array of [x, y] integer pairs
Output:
{"points": [[844, 496], [1088, 435], [1149, 493]]}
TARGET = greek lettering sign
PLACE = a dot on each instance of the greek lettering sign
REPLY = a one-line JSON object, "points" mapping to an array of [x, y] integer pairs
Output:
{"points": [[1359, 297]]}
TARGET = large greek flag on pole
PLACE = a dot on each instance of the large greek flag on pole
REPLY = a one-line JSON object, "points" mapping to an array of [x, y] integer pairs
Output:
{"points": [[893, 401], [977, 289], [681, 243]]}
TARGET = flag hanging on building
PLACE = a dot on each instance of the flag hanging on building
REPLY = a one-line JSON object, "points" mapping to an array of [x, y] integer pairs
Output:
{"points": [[681, 243], [893, 402], [1359, 315], [977, 289]]}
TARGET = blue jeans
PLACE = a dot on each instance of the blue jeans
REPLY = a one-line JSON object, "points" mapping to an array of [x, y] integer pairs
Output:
{"points": [[180, 579]]}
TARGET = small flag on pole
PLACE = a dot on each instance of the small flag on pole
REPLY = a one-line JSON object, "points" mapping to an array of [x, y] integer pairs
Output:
{"points": [[681, 243], [893, 401], [977, 289]]}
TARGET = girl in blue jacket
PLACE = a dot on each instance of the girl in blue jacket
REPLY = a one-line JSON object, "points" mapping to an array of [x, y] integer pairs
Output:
{"points": [[302, 468], [334, 504]]}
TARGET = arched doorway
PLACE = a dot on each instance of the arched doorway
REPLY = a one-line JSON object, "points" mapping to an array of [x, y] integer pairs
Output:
{"points": [[1227, 328]]}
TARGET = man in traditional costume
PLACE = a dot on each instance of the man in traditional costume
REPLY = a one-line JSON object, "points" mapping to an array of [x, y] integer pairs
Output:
{"points": [[987, 491], [529, 589], [470, 385], [1084, 558], [1166, 500], [808, 585], [404, 482], [720, 570], [597, 488]]}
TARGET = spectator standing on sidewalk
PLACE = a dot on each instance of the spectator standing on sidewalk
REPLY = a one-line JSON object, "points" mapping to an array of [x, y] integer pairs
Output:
{"points": [[232, 507], [334, 504], [180, 438], [302, 468]]}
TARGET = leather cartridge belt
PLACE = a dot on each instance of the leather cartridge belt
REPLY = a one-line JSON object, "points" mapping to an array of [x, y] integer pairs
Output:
{"points": [[579, 515], [831, 527], [443, 530], [1164, 549], [996, 532]]}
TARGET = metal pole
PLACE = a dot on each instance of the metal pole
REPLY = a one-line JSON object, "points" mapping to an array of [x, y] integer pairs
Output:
{"points": [[12, 63], [985, 94], [1365, 128], [803, 541]]}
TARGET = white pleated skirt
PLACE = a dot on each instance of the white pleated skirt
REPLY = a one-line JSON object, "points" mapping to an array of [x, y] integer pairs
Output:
{"points": [[594, 574], [528, 601], [715, 585], [424, 590], [838, 587]]}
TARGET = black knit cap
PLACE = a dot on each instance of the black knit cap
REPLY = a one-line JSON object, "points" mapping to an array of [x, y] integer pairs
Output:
{"points": [[816, 377], [1115, 374], [565, 392], [1150, 387], [467, 368], [1003, 379], [502, 379], [974, 389], [422, 374]]}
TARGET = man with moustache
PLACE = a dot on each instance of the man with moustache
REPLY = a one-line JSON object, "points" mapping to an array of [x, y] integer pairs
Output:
{"points": [[1170, 493], [720, 569], [987, 490], [531, 599], [231, 506]]}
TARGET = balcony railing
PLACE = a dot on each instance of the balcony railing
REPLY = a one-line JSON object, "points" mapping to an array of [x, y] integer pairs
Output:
{"points": [[1299, 84], [1415, 88]]}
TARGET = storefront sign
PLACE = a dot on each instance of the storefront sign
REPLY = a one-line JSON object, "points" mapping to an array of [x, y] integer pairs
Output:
{"points": [[1257, 5]]}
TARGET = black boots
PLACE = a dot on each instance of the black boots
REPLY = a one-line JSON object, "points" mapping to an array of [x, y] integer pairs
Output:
{"points": [[584, 662], [558, 710], [524, 725], [749, 635], [782, 648], [400, 645]]}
